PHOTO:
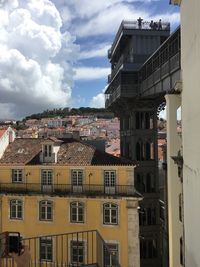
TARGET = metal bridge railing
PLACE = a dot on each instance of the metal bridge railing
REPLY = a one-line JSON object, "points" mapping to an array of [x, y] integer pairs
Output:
{"points": [[78, 249]]}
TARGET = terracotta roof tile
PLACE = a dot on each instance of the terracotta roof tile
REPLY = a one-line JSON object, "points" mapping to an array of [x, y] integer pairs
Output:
{"points": [[71, 152]]}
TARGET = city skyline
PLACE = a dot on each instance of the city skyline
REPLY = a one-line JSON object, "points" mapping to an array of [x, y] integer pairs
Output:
{"points": [[54, 57]]}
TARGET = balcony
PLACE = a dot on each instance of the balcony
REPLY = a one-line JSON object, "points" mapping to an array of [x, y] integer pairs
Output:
{"points": [[124, 85], [125, 63], [68, 189], [122, 91], [83, 249]]}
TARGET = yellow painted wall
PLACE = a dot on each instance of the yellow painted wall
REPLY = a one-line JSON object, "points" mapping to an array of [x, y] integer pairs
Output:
{"points": [[62, 174], [31, 225]]}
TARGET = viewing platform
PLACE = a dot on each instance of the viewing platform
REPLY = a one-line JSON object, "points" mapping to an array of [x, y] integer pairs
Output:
{"points": [[128, 26]]}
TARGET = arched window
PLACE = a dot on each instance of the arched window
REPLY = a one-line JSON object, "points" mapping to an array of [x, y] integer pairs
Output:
{"points": [[16, 209], [147, 120], [46, 210], [148, 151], [110, 213], [137, 120], [139, 150], [77, 212], [150, 183], [147, 216]]}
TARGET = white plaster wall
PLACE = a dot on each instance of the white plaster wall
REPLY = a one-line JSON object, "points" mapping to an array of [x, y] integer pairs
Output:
{"points": [[190, 23], [4, 141], [174, 184]]}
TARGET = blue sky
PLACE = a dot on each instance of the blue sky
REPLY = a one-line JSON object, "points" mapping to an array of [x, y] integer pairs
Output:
{"points": [[95, 29], [53, 53]]}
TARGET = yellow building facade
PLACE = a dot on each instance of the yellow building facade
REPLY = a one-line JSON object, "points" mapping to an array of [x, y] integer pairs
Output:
{"points": [[52, 186]]}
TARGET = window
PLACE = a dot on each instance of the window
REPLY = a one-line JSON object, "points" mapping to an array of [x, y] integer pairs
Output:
{"points": [[147, 216], [111, 257], [47, 177], [77, 180], [17, 176], [46, 249], [148, 249], [139, 150], [110, 181], [145, 183], [110, 213], [77, 253], [47, 150], [16, 209], [181, 251], [180, 208], [47, 180], [46, 210], [77, 212]]}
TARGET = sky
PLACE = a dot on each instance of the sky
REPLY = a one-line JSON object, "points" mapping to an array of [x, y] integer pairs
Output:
{"points": [[53, 53]]}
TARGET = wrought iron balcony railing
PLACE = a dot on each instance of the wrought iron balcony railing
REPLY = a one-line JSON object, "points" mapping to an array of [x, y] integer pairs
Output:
{"points": [[67, 189], [78, 249]]}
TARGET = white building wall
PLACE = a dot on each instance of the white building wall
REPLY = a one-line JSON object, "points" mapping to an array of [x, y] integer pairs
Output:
{"points": [[190, 25], [4, 140], [175, 226]]}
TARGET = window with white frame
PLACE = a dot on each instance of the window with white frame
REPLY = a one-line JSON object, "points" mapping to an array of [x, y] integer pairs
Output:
{"points": [[77, 180], [110, 181], [77, 212], [16, 209], [46, 249], [46, 210], [110, 213], [47, 150], [17, 176], [47, 177], [111, 255], [77, 253]]}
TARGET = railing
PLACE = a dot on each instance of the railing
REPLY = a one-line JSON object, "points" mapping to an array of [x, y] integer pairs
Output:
{"points": [[166, 59], [78, 249], [67, 189], [126, 91], [132, 25]]}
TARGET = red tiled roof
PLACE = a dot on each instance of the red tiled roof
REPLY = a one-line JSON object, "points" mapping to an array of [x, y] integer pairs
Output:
{"points": [[72, 152]]}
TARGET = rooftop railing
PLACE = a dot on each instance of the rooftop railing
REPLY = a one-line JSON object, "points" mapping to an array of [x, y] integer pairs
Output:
{"points": [[78, 249], [135, 25], [67, 189]]}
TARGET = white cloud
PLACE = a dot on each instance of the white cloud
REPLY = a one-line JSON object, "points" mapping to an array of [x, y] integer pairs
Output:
{"points": [[107, 21], [36, 59], [86, 8], [98, 101], [99, 51], [104, 17], [91, 73]]}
